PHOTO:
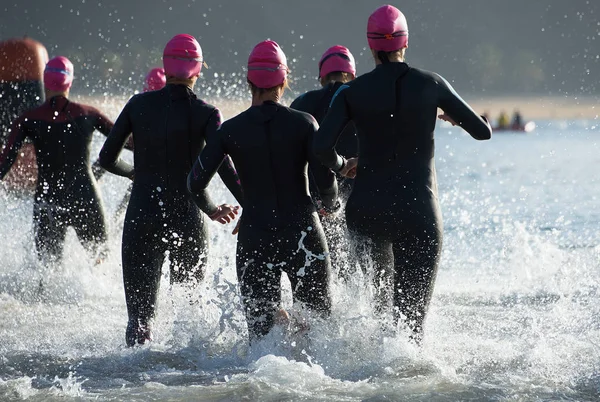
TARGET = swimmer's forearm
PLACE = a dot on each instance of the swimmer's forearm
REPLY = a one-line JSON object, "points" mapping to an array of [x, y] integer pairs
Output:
{"points": [[197, 187], [461, 113], [330, 131], [230, 177], [120, 168]]}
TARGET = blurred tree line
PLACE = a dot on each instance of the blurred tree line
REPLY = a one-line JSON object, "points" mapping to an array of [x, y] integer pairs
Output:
{"points": [[498, 48]]}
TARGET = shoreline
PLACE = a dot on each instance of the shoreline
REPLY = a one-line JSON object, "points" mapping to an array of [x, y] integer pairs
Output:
{"points": [[531, 107], [539, 107]]}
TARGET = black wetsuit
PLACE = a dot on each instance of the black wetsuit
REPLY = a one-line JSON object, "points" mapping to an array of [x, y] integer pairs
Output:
{"points": [[15, 99], [394, 205], [280, 230], [66, 194], [316, 103], [169, 129]]}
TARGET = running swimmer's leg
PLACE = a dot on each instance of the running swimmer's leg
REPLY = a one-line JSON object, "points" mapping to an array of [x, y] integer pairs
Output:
{"points": [[371, 233], [49, 231], [89, 223], [259, 277], [309, 269], [338, 245], [188, 250], [416, 259], [142, 262], [382, 260]]}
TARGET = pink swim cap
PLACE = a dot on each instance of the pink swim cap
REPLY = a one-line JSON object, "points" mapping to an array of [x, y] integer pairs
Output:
{"points": [[337, 58], [182, 57], [58, 74], [267, 65], [155, 80], [387, 29]]}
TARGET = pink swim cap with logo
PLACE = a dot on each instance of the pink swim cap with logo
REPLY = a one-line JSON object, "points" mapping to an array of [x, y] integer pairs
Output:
{"points": [[337, 58], [182, 57], [58, 74], [387, 29], [267, 65]]}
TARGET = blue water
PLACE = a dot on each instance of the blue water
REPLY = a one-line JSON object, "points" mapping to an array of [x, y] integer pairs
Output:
{"points": [[515, 314]]}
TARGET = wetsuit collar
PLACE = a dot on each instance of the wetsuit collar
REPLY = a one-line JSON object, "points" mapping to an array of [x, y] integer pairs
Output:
{"points": [[394, 68], [57, 102], [180, 91], [392, 64], [264, 112]]}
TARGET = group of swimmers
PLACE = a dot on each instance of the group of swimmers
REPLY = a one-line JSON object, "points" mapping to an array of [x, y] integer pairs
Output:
{"points": [[368, 140]]}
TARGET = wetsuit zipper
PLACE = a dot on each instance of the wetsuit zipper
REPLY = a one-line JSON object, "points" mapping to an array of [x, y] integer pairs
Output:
{"points": [[166, 179], [396, 118], [270, 155]]}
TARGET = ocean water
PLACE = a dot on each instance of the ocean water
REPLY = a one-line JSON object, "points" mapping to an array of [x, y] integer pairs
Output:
{"points": [[515, 313]]}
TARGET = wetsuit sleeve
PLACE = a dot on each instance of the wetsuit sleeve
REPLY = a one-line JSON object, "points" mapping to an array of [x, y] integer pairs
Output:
{"points": [[227, 170], [205, 167], [109, 155], [455, 107], [12, 146], [297, 104], [103, 124], [331, 129], [323, 176]]}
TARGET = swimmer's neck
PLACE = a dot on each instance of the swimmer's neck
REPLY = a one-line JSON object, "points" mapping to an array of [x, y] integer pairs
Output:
{"points": [[190, 82], [259, 99], [397, 56], [392, 60], [51, 94]]}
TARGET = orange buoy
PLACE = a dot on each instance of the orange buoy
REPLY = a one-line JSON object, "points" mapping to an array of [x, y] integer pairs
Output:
{"points": [[22, 63]]}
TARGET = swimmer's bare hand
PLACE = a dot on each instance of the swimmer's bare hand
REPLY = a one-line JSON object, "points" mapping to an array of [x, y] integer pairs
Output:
{"points": [[447, 118], [236, 229], [225, 213], [349, 169]]}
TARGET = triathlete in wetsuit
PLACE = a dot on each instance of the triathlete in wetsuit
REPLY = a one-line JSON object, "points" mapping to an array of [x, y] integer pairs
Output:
{"points": [[22, 64], [169, 129], [279, 230], [394, 205], [66, 194], [154, 81], [336, 68]]}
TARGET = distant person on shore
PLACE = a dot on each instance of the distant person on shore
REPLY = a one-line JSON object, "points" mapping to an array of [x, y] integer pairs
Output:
{"points": [[503, 120], [66, 194], [393, 209], [279, 232], [169, 128], [517, 120]]}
